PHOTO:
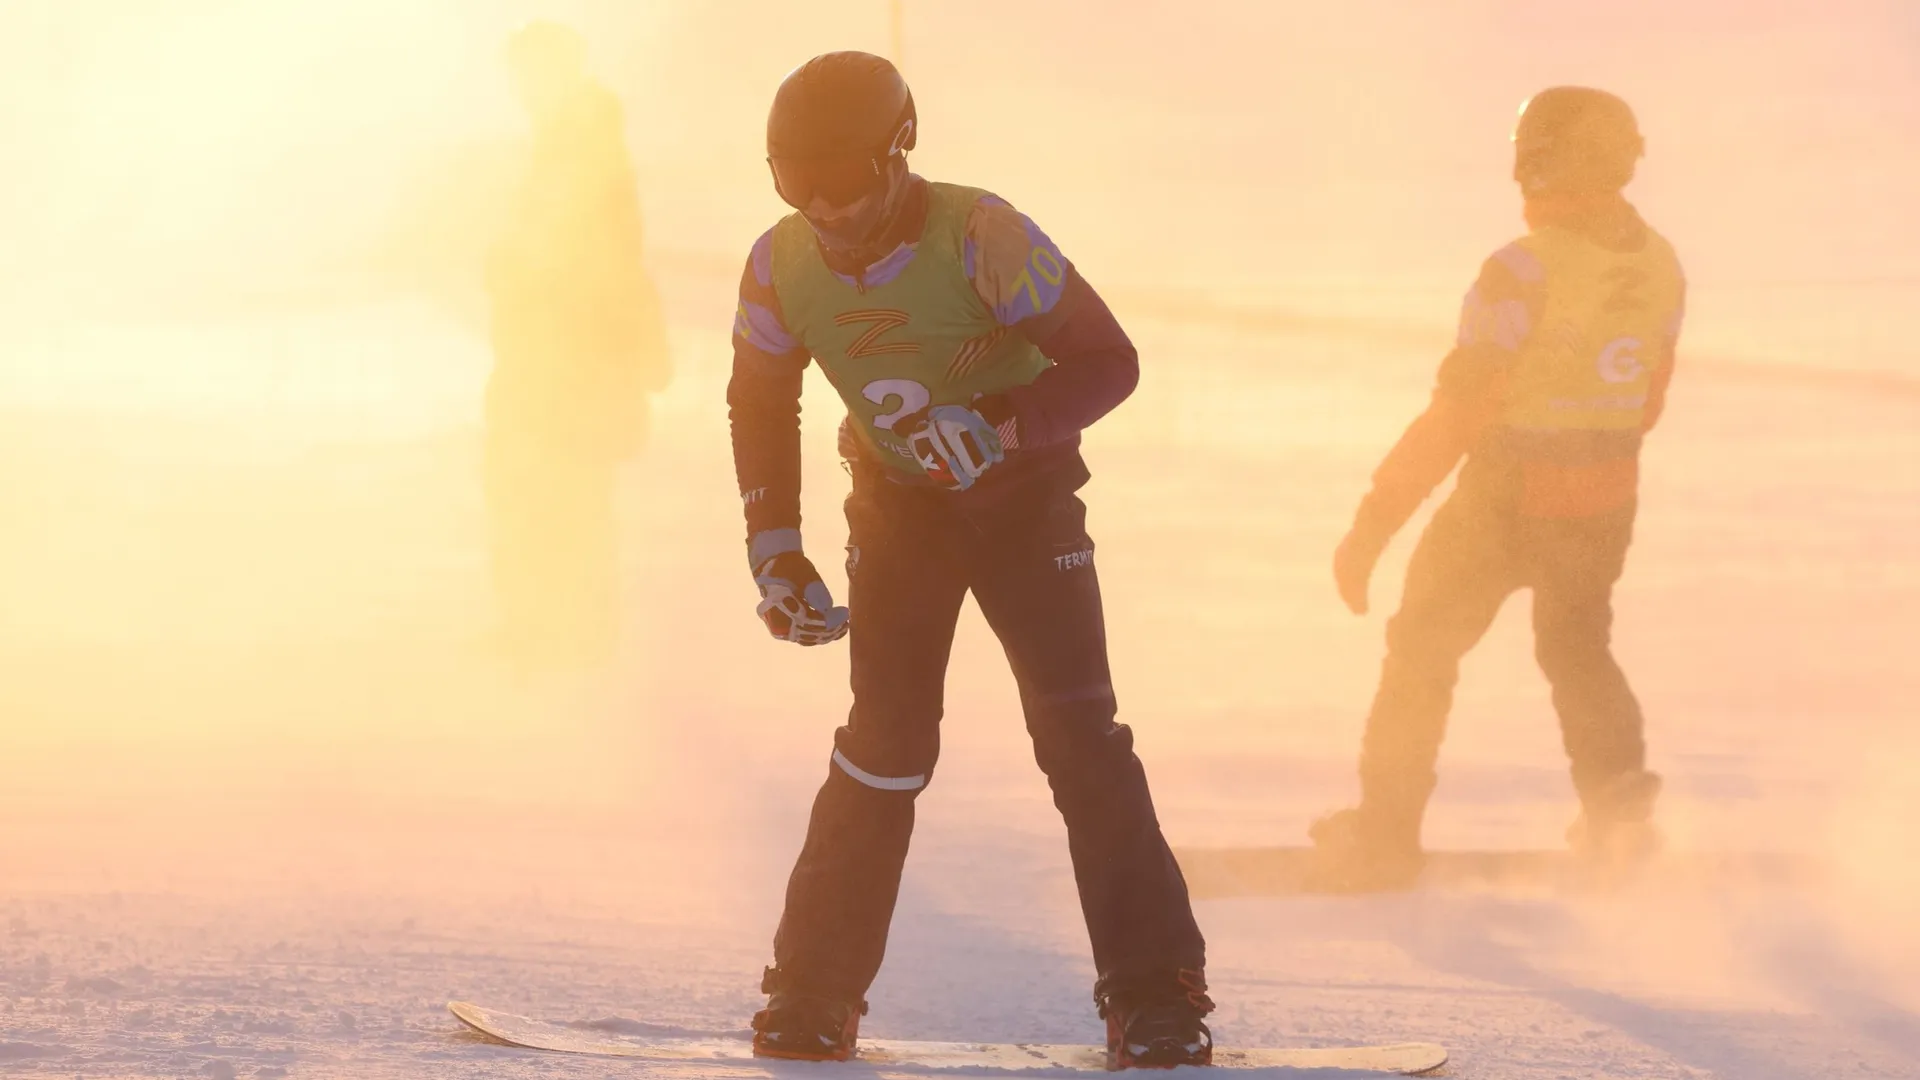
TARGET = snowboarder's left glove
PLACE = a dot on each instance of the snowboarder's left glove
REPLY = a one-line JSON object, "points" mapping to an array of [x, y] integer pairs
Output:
{"points": [[794, 603], [955, 444]]}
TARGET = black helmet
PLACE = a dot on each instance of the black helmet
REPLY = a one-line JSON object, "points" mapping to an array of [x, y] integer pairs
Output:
{"points": [[1575, 140], [834, 122]]}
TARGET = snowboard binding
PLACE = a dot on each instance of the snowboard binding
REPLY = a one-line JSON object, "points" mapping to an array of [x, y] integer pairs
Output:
{"points": [[805, 1027], [1156, 1022], [1356, 851]]}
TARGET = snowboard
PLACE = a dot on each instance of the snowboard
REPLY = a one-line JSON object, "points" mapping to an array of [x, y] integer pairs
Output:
{"points": [[1408, 1059], [1219, 873]]}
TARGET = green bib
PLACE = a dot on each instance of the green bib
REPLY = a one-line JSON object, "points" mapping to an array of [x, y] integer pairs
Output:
{"points": [[924, 338], [1589, 363]]}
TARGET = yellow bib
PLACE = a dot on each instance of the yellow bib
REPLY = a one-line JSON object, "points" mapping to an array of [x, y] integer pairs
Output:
{"points": [[1605, 328]]}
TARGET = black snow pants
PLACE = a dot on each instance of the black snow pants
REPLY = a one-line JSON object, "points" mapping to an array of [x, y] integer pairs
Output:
{"points": [[913, 556], [1473, 555]]}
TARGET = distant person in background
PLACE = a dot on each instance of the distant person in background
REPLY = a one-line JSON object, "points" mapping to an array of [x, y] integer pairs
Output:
{"points": [[1565, 350], [578, 344]]}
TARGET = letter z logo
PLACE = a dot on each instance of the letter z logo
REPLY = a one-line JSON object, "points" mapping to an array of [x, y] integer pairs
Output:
{"points": [[869, 344]]}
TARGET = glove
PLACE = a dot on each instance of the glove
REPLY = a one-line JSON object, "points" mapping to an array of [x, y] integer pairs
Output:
{"points": [[953, 443], [794, 602], [1353, 563], [1359, 551]]}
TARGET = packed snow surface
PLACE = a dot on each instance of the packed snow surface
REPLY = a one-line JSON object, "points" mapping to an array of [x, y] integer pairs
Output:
{"points": [[267, 803]]}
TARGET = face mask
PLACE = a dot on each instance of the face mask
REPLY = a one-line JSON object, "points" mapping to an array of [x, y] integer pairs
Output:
{"points": [[847, 229]]}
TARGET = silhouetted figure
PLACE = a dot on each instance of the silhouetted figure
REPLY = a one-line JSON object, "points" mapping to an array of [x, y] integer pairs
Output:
{"points": [[1565, 350], [578, 344]]}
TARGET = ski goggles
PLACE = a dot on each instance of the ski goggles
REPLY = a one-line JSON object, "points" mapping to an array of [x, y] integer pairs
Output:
{"points": [[841, 181]]}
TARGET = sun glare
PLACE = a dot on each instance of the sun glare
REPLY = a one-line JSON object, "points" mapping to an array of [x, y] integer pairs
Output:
{"points": [[404, 552]]}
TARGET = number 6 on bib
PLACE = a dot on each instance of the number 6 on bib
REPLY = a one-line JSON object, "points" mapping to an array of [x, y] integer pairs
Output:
{"points": [[953, 444]]}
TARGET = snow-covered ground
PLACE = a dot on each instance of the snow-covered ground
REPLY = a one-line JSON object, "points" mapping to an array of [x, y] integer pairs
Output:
{"points": [[265, 806]]}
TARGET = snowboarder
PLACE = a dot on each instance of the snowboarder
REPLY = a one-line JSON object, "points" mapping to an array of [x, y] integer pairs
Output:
{"points": [[970, 354], [578, 344], [1565, 349]]}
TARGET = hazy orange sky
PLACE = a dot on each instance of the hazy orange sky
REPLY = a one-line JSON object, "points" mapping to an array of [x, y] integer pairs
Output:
{"points": [[1200, 143]]}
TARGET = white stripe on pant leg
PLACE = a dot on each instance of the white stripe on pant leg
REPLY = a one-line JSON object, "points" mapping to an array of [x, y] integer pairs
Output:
{"points": [[884, 783]]}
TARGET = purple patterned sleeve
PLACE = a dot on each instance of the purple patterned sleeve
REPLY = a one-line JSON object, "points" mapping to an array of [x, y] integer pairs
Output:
{"points": [[757, 321], [1499, 309], [1498, 314], [764, 400], [1016, 268], [1095, 367]]}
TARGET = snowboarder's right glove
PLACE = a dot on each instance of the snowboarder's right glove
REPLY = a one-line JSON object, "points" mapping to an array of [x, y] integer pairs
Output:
{"points": [[954, 444], [794, 602], [1359, 550]]}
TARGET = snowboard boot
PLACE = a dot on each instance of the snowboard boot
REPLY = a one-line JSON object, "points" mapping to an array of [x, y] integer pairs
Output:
{"points": [[1361, 850], [1156, 1022], [1614, 832], [803, 1026]]}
